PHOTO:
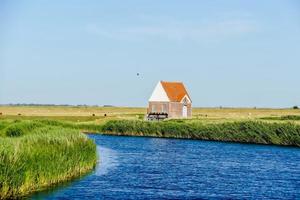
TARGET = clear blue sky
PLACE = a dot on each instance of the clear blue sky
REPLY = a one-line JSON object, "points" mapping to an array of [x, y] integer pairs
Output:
{"points": [[228, 53]]}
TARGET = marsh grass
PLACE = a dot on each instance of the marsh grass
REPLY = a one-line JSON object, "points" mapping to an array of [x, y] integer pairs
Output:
{"points": [[242, 131], [284, 117], [37, 154]]}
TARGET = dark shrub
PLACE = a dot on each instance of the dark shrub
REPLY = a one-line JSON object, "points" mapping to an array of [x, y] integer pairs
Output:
{"points": [[290, 117], [14, 131], [19, 128]]}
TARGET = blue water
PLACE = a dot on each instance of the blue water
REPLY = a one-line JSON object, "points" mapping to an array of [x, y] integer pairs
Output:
{"points": [[153, 168]]}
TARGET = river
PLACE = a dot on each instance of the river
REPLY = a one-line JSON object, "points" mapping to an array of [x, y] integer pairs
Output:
{"points": [[156, 168]]}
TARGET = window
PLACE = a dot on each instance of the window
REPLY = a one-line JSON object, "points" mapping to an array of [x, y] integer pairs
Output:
{"points": [[185, 101], [153, 108]]}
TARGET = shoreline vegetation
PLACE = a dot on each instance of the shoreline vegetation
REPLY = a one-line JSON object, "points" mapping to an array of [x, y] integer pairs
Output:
{"points": [[35, 155], [247, 131], [254, 132]]}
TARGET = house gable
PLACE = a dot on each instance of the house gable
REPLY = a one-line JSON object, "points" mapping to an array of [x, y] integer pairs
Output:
{"points": [[159, 94], [186, 100]]}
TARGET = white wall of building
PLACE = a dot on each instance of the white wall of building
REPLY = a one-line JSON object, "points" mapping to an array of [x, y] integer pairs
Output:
{"points": [[159, 94]]}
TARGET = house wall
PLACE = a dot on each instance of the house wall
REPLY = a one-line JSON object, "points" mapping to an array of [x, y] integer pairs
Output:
{"points": [[189, 109], [158, 107], [174, 109]]}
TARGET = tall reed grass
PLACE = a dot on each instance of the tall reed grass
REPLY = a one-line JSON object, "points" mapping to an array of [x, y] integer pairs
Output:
{"points": [[242, 131], [34, 155]]}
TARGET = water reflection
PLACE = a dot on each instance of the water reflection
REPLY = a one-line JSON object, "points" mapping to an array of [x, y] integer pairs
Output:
{"points": [[107, 161]]}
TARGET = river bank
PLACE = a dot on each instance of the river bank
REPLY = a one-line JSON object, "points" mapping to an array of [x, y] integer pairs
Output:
{"points": [[35, 155], [248, 131], [256, 132]]}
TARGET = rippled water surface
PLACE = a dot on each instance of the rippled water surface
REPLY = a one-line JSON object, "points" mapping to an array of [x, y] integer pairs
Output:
{"points": [[152, 168]]}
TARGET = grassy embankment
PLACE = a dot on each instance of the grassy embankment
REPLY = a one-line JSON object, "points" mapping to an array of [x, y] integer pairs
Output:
{"points": [[241, 131], [35, 154]]}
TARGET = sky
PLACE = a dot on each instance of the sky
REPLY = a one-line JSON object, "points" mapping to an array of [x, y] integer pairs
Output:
{"points": [[231, 53]]}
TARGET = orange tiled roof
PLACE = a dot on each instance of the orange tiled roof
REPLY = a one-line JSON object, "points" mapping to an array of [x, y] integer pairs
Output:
{"points": [[175, 90]]}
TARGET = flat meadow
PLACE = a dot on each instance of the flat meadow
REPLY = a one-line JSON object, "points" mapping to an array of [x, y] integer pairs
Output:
{"points": [[101, 115]]}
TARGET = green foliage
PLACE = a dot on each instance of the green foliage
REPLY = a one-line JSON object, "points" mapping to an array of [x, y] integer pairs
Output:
{"points": [[14, 130], [36, 154], [3, 125], [284, 117], [243, 131], [19, 128], [290, 117]]}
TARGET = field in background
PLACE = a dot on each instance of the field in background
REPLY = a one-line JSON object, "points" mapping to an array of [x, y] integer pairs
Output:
{"points": [[103, 114]]}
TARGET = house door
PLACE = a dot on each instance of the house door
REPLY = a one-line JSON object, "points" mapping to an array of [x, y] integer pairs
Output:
{"points": [[184, 111]]}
